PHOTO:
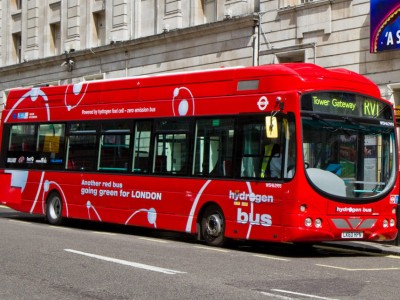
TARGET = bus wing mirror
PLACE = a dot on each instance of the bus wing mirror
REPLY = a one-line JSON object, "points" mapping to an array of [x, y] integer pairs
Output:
{"points": [[271, 127]]}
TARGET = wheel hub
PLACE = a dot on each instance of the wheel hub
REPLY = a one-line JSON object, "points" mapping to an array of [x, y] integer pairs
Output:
{"points": [[214, 225]]}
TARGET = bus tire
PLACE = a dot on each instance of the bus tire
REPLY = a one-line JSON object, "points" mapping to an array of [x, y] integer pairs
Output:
{"points": [[213, 226], [54, 207]]}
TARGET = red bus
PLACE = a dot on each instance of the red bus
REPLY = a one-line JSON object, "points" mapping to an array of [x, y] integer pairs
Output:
{"points": [[290, 152]]}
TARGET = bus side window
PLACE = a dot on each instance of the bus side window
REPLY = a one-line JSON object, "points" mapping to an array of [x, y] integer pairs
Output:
{"points": [[82, 147], [214, 147], [267, 157], [51, 144], [22, 138], [171, 146], [171, 153], [160, 164], [141, 151], [251, 149], [114, 152], [271, 165]]}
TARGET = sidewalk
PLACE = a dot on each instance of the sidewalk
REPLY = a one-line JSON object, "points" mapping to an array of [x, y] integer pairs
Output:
{"points": [[373, 247]]}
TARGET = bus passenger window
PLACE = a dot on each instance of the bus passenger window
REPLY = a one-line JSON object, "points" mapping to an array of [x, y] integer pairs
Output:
{"points": [[263, 157], [82, 149], [114, 145], [141, 151], [271, 165], [114, 152], [22, 138], [251, 157], [82, 152], [51, 145], [171, 150], [171, 153], [214, 148]]}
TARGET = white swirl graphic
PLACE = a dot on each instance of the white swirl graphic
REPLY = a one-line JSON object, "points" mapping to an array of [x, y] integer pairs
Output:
{"points": [[76, 90], [32, 94], [151, 216], [183, 104]]}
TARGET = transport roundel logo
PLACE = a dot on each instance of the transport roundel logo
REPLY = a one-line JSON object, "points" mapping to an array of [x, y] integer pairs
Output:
{"points": [[182, 102], [262, 103]]}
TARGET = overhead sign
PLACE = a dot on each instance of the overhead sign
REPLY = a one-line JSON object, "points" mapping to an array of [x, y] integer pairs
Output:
{"points": [[385, 25], [346, 104]]}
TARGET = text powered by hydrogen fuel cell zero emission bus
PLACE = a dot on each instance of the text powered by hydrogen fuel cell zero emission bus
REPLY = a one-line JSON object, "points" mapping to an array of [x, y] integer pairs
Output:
{"points": [[289, 152]]}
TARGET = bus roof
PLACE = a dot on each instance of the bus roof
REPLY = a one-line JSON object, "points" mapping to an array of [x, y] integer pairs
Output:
{"points": [[300, 77]]}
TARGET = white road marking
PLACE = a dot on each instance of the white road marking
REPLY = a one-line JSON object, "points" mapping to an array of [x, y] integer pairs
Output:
{"points": [[303, 295], [153, 240], [276, 296], [211, 249], [55, 227], [338, 249], [357, 269], [127, 263], [271, 257], [104, 232]]}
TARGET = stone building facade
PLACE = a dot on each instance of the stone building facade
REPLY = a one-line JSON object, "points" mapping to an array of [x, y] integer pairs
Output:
{"points": [[63, 41]]}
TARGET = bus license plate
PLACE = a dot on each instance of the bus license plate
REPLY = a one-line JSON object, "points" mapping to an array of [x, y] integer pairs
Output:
{"points": [[352, 235]]}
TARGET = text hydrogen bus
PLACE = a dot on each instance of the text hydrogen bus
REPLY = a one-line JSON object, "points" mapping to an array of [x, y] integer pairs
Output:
{"points": [[290, 152]]}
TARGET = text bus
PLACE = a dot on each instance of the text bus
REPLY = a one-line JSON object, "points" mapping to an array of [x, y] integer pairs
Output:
{"points": [[290, 152]]}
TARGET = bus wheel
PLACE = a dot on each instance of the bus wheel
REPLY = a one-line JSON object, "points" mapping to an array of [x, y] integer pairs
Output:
{"points": [[213, 226], [54, 209]]}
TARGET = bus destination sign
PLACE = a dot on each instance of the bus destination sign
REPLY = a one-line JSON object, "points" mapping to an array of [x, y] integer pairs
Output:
{"points": [[345, 104]]}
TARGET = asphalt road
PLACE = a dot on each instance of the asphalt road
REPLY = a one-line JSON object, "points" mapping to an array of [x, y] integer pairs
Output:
{"points": [[83, 260]]}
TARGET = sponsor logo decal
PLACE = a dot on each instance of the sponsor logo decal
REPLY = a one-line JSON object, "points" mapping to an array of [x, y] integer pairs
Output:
{"points": [[250, 197]]}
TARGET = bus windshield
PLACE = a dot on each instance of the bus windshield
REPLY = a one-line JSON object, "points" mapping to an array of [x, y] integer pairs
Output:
{"points": [[349, 145]]}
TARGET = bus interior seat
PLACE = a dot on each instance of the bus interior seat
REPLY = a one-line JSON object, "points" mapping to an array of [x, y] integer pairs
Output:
{"points": [[71, 164], [223, 168], [160, 164], [227, 167], [334, 168]]}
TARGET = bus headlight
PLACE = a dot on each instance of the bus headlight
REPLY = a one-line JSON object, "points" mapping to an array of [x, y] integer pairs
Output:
{"points": [[318, 223], [308, 222], [392, 223], [385, 223]]}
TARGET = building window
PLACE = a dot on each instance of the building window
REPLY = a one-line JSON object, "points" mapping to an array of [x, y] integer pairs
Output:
{"points": [[209, 10], [16, 4], [94, 77], [16, 51], [293, 3], [99, 29], [55, 38], [394, 96], [291, 56]]}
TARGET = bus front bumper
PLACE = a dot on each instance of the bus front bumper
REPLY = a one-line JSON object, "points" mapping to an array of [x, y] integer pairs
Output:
{"points": [[317, 235]]}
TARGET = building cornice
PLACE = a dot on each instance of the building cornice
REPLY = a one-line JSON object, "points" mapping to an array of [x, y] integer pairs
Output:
{"points": [[230, 24]]}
